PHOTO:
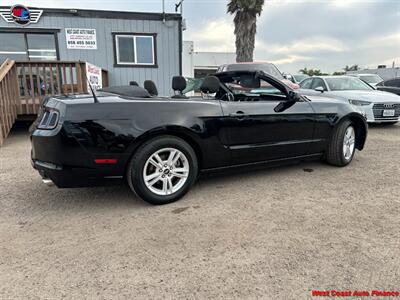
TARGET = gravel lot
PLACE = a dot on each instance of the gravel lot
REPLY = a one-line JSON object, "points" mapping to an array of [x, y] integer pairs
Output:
{"points": [[276, 233]]}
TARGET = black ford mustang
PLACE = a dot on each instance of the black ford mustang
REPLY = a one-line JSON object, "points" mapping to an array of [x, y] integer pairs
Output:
{"points": [[159, 145]]}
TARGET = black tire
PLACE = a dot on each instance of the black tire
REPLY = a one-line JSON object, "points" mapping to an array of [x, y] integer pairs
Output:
{"points": [[335, 155], [136, 166]]}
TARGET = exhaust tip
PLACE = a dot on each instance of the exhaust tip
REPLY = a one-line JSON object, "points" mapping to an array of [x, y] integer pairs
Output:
{"points": [[48, 182]]}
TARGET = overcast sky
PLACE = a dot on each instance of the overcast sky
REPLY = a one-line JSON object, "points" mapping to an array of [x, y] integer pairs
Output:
{"points": [[324, 34]]}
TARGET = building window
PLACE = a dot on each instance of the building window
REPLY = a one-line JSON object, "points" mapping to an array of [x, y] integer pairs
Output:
{"points": [[13, 46], [135, 50], [41, 47], [28, 46]]}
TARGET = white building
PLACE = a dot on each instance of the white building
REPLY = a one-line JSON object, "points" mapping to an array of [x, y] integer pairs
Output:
{"points": [[200, 64], [385, 73]]}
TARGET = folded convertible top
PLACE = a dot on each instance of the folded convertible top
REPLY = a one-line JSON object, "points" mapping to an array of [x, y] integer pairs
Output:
{"points": [[127, 91]]}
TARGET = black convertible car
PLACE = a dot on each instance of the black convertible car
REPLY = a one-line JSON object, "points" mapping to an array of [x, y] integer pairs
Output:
{"points": [[159, 145]]}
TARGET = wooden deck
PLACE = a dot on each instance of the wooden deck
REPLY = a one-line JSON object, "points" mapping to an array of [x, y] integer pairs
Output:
{"points": [[8, 98], [23, 85]]}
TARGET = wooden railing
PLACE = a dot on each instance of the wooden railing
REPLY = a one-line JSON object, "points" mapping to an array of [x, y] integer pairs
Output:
{"points": [[23, 85], [39, 79], [8, 98]]}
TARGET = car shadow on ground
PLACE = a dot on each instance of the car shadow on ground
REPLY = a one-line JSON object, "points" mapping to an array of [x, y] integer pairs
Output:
{"points": [[120, 196], [42, 197], [249, 172]]}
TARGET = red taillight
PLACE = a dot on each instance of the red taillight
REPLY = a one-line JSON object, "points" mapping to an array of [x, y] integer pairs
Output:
{"points": [[49, 119], [106, 161]]}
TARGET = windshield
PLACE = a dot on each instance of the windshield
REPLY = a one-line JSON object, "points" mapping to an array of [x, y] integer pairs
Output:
{"points": [[243, 85], [371, 78], [248, 84], [300, 77], [347, 84], [193, 84], [266, 68]]}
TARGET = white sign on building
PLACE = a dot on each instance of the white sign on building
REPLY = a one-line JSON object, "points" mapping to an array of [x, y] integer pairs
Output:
{"points": [[78, 38], [94, 76]]}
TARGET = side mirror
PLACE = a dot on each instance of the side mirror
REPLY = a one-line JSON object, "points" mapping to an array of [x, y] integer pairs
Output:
{"points": [[292, 98], [319, 89]]}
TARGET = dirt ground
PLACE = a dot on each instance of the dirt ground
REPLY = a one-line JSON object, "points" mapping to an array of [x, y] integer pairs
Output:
{"points": [[272, 234]]}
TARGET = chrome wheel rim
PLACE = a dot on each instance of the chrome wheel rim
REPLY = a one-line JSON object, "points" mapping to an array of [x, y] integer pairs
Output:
{"points": [[166, 171], [349, 143]]}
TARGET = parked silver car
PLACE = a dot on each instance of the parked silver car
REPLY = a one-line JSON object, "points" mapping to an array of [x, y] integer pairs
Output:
{"points": [[378, 106], [371, 79], [296, 78]]}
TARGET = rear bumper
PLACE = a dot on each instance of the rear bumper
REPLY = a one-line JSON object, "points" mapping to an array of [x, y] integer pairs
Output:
{"points": [[74, 177], [60, 157]]}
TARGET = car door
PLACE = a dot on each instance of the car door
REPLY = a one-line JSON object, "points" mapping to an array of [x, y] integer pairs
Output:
{"points": [[391, 86], [256, 132], [305, 87], [394, 82], [308, 86]]}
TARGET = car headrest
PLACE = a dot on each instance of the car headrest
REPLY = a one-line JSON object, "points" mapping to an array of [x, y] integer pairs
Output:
{"points": [[210, 85], [134, 83], [178, 83], [151, 87]]}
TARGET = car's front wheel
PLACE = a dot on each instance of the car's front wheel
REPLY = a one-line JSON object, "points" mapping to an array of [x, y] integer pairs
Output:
{"points": [[162, 170], [342, 145]]}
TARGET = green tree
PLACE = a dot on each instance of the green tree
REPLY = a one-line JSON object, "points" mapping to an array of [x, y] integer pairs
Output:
{"points": [[245, 20], [338, 73], [312, 72], [304, 71]]}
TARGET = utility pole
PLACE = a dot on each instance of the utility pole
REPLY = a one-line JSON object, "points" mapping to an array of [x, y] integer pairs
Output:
{"points": [[163, 10], [179, 5]]}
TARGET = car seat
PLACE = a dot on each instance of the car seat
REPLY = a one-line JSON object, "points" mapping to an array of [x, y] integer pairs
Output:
{"points": [[178, 85], [151, 87]]}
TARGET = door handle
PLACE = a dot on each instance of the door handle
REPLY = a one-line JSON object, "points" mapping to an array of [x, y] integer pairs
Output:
{"points": [[239, 115]]}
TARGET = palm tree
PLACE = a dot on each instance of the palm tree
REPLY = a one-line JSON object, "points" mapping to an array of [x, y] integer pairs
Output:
{"points": [[246, 12], [304, 71], [312, 72]]}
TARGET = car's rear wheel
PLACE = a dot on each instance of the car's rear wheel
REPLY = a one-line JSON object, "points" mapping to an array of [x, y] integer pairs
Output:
{"points": [[342, 145], [162, 170]]}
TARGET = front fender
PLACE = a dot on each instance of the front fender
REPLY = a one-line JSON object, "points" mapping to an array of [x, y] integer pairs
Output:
{"points": [[361, 127]]}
